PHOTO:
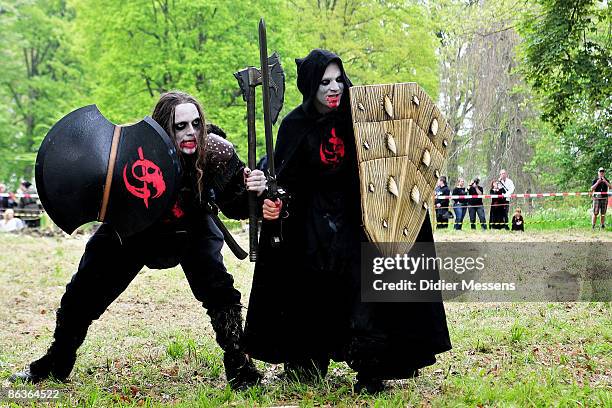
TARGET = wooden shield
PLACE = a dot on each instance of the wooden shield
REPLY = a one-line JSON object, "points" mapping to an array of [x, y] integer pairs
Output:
{"points": [[402, 143]]}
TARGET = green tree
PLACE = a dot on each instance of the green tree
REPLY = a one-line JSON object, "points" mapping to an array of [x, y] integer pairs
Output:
{"points": [[482, 94], [58, 55], [568, 61], [134, 51], [40, 78], [137, 50], [379, 41]]}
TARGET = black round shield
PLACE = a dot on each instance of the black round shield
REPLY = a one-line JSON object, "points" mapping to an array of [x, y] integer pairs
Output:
{"points": [[72, 165]]}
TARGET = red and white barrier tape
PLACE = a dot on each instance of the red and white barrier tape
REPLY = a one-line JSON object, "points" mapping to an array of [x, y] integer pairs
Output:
{"points": [[441, 197], [526, 195], [19, 195]]}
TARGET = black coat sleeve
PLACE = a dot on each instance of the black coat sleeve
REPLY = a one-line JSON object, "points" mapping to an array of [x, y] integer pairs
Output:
{"points": [[229, 190]]}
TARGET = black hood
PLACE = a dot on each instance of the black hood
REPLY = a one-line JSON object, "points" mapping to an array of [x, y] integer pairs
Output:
{"points": [[310, 70]]}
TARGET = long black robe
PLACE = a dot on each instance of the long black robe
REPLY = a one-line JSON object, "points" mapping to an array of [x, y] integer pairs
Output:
{"points": [[497, 214], [305, 300]]}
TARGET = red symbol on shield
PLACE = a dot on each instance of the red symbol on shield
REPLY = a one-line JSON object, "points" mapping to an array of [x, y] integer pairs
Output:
{"points": [[149, 173]]}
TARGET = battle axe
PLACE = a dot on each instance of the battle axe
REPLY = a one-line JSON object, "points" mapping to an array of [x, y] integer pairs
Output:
{"points": [[89, 169]]}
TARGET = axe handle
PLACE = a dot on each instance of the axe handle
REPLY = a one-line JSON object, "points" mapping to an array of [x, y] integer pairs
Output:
{"points": [[252, 161], [228, 238], [109, 172]]}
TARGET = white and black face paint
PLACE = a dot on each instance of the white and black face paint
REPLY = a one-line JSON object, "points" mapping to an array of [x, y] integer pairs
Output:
{"points": [[330, 89], [187, 126]]}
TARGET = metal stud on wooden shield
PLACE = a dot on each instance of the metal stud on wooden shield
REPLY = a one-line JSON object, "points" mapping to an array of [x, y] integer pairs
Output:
{"points": [[415, 194], [391, 143], [392, 186], [426, 159], [434, 127], [404, 147], [389, 107]]}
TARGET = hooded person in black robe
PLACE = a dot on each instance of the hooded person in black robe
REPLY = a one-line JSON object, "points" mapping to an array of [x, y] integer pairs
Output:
{"points": [[305, 304]]}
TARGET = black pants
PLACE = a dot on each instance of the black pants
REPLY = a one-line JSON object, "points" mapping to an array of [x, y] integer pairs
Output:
{"points": [[108, 266], [442, 218], [474, 210], [505, 209]]}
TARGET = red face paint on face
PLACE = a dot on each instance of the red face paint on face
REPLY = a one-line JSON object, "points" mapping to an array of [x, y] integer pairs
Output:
{"points": [[333, 101], [187, 127], [330, 90], [188, 145]]}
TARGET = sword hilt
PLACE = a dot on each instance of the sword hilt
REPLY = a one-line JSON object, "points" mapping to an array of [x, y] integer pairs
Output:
{"points": [[276, 226]]}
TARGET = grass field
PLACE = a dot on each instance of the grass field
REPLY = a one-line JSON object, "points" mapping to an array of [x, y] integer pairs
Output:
{"points": [[154, 346]]}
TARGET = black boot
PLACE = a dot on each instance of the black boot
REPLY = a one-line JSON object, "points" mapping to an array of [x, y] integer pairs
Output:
{"points": [[240, 371], [368, 385], [372, 385], [48, 366], [308, 371], [61, 356], [239, 368]]}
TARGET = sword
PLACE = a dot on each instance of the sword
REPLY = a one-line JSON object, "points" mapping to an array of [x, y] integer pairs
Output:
{"points": [[274, 192]]}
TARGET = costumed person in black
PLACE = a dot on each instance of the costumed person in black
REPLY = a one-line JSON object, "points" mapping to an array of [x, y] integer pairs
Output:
{"points": [[442, 205], [186, 235], [497, 214], [305, 305], [460, 204]]}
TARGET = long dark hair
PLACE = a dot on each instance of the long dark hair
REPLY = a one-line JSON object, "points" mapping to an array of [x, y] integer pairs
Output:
{"points": [[163, 113]]}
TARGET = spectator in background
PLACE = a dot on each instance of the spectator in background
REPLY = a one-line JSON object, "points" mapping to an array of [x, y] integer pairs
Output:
{"points": [[27, 190], [460, 204], [496, 216], [518, 224], [9, 222], [7, 199], [508, 186], [442, 213], [476, 206], [4, 199], [600, 201], [29, 203]]}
